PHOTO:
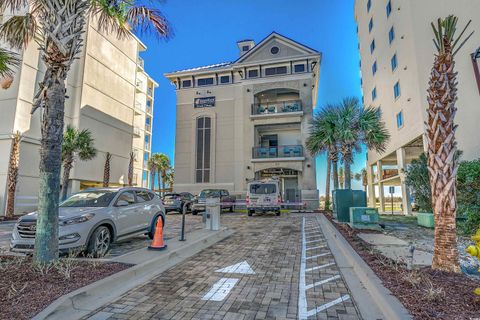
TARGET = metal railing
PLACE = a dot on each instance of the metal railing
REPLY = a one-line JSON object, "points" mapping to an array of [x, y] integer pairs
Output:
{"points": [[290, 151], [141, 62], [277, 107], [148, 108], [150, 91], [148, 127]]}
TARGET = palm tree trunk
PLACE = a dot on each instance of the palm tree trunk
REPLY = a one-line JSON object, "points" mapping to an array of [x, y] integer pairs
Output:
{"points": [[335, 174], [159, 182], [67, 166], [348, 175], [130, 169], [327, 182], [46, 239], [152, 179], [12, 176], [106, 170], [164, 178]]}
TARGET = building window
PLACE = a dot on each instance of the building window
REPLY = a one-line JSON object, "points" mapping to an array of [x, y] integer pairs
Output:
{"points": [[369, 5], [400, 119], [299, 68], [275, 70], [396, 90], [372, 46], [374, 93], [245, 48], [202, 167], [186, 83], [225, 79], [205, 82], [391, 35], [275, 50], [253, 73], [374, 68], [389, 8], [394, 62], [370, 25]]}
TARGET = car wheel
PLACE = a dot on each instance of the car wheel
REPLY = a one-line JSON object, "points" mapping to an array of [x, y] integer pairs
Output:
{"points": [[250, 213], [231, 209], [99, 242]]}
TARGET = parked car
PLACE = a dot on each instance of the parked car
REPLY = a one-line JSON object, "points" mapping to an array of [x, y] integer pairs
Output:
{"points": [[91, 220], [226, 201], [177, 201], [263, 196]]}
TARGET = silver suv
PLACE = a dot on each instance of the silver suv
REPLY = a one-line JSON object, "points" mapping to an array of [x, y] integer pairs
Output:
{"points": [[94, 218]]}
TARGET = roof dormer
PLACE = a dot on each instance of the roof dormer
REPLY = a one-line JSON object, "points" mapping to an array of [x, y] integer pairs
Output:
{"points": [[245, 45]]}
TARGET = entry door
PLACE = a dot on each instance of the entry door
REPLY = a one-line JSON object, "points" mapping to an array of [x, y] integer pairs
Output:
{"points": [[290, 186]]}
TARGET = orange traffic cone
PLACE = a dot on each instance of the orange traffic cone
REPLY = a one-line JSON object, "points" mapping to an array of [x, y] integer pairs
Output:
{"points": [[157, 243]]}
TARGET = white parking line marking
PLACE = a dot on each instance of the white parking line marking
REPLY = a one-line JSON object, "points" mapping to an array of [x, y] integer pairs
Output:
{"points": [[319, 255], [320, 267], [327, 305], [312, 241], [319, 283], [220, 289], [317, 247], [302, 292]]}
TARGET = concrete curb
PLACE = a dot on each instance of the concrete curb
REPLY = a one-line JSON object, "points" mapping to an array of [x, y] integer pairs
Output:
{"points": [[84, 300], [373, 300]]}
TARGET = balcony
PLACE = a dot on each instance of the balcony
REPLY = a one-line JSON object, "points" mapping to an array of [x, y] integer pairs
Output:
{"points": [[139, 85], [141, 63], [137, 132], [148, 127], [290, 152], [389, 173], [139, 108], [148, 108], [150, 91], [277, 108]]}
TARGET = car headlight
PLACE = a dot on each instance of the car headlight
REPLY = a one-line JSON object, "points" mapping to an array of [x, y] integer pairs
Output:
{"points": [[83, 218]]}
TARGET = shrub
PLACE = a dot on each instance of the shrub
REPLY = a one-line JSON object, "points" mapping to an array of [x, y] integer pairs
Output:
{"points": [[417, 180], [468, 194]]}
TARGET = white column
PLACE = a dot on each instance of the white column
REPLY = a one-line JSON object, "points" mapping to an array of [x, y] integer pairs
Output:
{"points": [[381, 194], [371, 187], [406, 205]]}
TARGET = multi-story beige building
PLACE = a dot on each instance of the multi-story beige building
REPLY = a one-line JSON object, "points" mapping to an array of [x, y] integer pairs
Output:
{"points": [[397, 53], [248, 119], [108, 92]]}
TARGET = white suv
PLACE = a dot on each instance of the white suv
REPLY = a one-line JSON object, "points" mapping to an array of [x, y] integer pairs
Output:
{"points": [[94, 218], [263, 196]]}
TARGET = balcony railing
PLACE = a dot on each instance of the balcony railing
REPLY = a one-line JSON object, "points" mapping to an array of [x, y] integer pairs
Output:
{"points": [[148, 108], [141, 63], [150, 91], [388, 173], [293, 151], [137, 132], [276, 107], [148, 127]]}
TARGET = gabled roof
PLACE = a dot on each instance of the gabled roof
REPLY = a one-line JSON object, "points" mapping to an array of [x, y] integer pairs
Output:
{"points": [[272, 35]]}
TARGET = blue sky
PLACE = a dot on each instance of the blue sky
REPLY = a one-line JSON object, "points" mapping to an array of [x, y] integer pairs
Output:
{"points": [[206, 33]]}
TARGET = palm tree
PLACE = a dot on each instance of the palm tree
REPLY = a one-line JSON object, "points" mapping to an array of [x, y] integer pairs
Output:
{"points": [[8, 62], [341, 177], [362, 176], [152, 166], [170, 177], [130, 168], [58, 26], [12, 176], [163, 167], [357, 126], [323, 138], [440, 132], [106, 170], [75, 144]]}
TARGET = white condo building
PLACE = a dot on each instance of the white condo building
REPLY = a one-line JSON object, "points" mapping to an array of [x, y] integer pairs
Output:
{"points": [[249, 119], [397, 52], [109, 93]]}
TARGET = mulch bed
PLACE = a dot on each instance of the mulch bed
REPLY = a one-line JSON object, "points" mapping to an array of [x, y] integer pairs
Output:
{"points": [[26, 290], [426, 293]]}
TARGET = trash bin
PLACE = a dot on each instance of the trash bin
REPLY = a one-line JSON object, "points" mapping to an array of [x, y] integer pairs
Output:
{"points": [[212, 213]]}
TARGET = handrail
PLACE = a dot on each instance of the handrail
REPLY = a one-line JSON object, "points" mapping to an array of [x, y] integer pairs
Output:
{"points": [[277, 107]]}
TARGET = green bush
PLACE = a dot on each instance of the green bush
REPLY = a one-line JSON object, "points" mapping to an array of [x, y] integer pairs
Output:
{"points": [[468, 194], [416, 178]]}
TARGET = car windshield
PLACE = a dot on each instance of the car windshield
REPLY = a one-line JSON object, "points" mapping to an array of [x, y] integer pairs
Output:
{"points": [[209, 193], [101, 198], [264, 188], [171, 196]]}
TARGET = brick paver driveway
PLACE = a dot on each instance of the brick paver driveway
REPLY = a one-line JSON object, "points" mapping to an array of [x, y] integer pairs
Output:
{"points": [[283, 269]]}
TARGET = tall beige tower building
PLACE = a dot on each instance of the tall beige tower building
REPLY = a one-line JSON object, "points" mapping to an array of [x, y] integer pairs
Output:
{"points": [[248, 119], [108, 92], [397, 52]]}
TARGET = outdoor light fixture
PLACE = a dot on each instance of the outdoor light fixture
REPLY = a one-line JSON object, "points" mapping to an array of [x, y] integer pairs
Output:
{"points": [[240, 73], [314, 63], [476, 56]]}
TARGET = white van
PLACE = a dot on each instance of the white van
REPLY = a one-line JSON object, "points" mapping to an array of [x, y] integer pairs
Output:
{"points": [[263, 196]]}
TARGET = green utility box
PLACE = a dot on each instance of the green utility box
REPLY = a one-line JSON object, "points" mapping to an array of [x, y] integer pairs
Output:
{"points": [[343, 199], [425, 219], [364, 218]]}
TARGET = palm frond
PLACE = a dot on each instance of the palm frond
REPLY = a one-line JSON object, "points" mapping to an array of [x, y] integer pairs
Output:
{"points": [[17, 31], [148, 20], [8, 61], [12, 5]]}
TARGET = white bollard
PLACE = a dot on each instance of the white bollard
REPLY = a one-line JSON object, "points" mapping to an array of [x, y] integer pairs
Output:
{"points": [[212, 208]]}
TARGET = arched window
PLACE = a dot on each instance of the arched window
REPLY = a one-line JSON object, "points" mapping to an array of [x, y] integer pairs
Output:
{"points": [[202, 162]]}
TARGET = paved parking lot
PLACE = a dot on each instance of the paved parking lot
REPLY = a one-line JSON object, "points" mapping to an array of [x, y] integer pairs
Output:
{"points": [[271, 268]]}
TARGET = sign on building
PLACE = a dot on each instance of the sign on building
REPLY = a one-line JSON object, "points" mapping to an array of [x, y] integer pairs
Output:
{"points": [[204, 102]]}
